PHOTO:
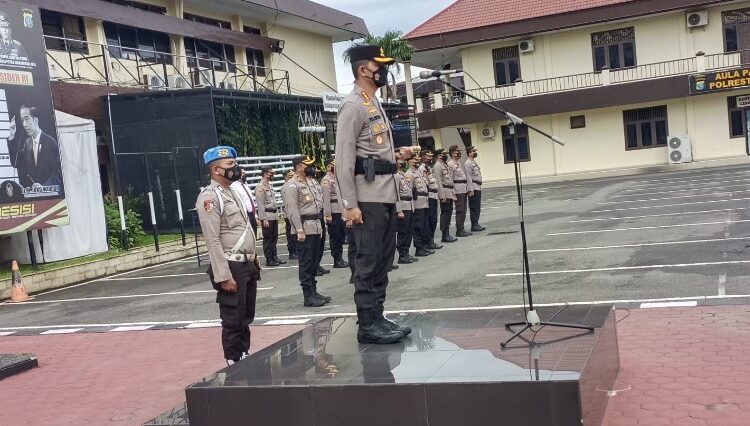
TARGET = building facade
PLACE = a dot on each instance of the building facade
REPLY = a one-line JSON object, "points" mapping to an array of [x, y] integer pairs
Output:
{"points": [[617, 80]]}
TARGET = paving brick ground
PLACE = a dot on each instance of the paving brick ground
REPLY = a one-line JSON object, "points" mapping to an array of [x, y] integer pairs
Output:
{"points": [[121, 378], [680, 366], [683, 367]]}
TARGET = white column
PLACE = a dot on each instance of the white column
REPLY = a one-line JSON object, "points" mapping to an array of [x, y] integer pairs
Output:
{"points": [[409, 85], [437, 100]]}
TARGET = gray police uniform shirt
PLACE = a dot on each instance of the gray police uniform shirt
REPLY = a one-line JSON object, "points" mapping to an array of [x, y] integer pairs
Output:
{"points": [[223, 220], [458, 175], [473, 174], [444, 181], [405, 184], [421, 193], [299, 200], [432, 186], [317, 191], [331, 202], [265, 197], [363, 130]]}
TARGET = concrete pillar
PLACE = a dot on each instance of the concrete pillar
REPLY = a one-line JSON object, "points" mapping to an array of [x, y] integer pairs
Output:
{"points": [[700, 62], [437, 100], [409, 85], [419, 105]]}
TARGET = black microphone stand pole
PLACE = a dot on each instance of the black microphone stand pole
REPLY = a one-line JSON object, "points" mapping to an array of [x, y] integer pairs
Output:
{"points": [[532, 318]]}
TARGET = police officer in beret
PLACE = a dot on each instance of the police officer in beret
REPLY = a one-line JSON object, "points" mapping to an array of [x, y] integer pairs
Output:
{"points": [[302, 210], [365, 168], [234, 270]]}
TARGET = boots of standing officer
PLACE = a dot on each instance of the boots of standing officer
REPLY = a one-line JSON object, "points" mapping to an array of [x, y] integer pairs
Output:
{"points": [[433, 246], [447, 237], [476, 228], [279, 261], [340, 263], [372, 330], [405, 330], [271, 262], [462, 233], [322, 271], [404, 258], [423, 252], [312, 298]]}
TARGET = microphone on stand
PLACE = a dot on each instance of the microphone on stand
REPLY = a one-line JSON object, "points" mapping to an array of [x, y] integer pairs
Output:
{"points": [[424, 75]]}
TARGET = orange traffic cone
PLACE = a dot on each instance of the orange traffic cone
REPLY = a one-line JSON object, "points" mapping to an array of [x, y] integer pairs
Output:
{"points": [[18, 292]]}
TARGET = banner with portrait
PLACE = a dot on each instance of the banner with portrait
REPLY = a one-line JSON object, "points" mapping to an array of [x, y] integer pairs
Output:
{"points": [[32, 194]]}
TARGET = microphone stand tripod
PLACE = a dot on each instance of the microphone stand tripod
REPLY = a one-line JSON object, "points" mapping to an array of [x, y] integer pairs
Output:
{"points": [[532, 317]]}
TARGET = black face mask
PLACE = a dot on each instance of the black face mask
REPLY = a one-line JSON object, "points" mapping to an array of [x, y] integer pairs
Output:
{"points": [[310, 171], [380, 77], [474, 155], [232, 173], [332, 170]]}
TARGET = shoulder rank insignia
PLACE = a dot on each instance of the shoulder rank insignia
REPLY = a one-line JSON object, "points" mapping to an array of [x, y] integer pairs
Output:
{"points": [[208, 205], [372, 111], [366, 96], [379, 139], [367, 103], [377, 128]]}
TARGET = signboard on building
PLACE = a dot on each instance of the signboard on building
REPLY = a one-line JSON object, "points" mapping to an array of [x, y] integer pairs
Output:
{"points": [[332, 101], [743, 101], [736, 78], [32, 194]]}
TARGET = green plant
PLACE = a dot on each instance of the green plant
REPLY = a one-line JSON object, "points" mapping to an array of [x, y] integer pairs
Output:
{"points": [[257, 130], [133, 223]]}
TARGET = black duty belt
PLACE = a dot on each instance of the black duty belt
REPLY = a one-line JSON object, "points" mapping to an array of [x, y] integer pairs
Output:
{"points": [[407, 198], [311, 216], [478, 183], [434, 191], [423, 194], [459, 181], [334, 200], [270, 210], [448, 186], [382, 167]]}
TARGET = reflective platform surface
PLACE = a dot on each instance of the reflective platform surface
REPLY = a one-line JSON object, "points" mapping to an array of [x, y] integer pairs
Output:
{"points": [[11, 364], [450, 371]]}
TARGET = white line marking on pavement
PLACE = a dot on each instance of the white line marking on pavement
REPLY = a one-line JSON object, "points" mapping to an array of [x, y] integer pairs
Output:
{"points": [[216, 322], [6, 333], [132, 328], [648, 200], [711, 188], [287, 321], [605, 219], [62, 331], [680, 225], [686, 180], [686, 304], [621, 268], [203, 325], [669, 205], [664, 243], [124, 296], [147, 277]]}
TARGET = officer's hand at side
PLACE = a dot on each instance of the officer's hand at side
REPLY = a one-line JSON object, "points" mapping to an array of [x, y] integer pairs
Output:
{"points": [[266, 224], [355, 215], [401, 215], [349, 224], [301, 236], [442, 200], [329, 219], [471, 194], [230, 285]]}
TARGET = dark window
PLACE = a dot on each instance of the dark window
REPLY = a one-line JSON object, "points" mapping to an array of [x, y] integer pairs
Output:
{"points": [[645, 127], [507, 67], [142, 6], [208, 54], [256, 63], [64, 26], [578, 122], [614, 49], [736, 24], [207, 21], [524, 153], [136, 43], [737, 119]]}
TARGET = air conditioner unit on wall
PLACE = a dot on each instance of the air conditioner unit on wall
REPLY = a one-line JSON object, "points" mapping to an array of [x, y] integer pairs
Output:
{"points": [[177, 82], [697, 19], [153, 81], [201, 77], [680, 149], [488, 132], [526, 46]]}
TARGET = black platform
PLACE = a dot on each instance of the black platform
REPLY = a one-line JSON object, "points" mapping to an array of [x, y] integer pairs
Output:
{"points": [[449, 372], [11, 364]]}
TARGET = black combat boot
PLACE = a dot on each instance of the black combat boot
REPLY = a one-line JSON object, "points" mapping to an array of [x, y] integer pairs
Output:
{"points": [[462, 233], [392, 325], [447, 238], [279, 261], [422, 252], [434, 246], [322, 271], [312, 298], [340, 263], [372, 330], [270, 263], [404, 258]]}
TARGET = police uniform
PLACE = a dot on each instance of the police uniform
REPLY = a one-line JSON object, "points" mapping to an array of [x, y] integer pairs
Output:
{"points": [[444, 179], [332, 211], [461, 191], [405, 228], [267, 211], [434, 201], [302, 210], [231, 250], [474, 176], [317, 191], [291, 237], [365, 167], [421, 205]]}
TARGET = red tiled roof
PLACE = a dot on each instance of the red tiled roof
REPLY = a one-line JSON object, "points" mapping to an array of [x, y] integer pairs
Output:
{"points": [[467, 14]]}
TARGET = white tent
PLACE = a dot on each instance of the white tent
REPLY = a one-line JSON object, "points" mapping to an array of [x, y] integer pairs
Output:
{"points": [[87, 232]]}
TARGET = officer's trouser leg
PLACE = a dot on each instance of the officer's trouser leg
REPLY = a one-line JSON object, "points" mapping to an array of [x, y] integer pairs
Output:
{"points": [[308, 263], [432, 218], [475, 206], [253, 223], [270, 239], [352, 250], [460, 211], [322, 241], [237, 310], [376, 243], [419, 225], [405, 232], [446, 211], [291, 239], [336, 232]]}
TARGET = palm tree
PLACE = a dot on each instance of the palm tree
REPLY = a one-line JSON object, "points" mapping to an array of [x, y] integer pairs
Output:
{"points": [[393, 46]]}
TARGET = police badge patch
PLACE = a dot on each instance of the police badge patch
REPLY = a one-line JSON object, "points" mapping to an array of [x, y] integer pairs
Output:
{"points": [[28, 18], [208, 205]]}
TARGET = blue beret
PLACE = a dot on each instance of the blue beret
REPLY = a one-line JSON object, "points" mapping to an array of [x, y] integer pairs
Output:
{"points": [[218, 153]]}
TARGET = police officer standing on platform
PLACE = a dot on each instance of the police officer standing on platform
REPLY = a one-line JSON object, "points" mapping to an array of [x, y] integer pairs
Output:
{"points": [[332, 212], [460, 188], [365, 168], [302, 210], [432, 209], [234, 270], [267, 213], [474, 175], [291, 237], [444, 178]]}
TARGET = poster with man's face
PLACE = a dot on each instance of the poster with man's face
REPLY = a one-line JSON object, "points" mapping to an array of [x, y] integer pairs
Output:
{"points": [[32, 194]]}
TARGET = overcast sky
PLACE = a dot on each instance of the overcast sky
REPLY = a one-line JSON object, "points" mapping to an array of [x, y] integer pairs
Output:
{"points": [[380, 16]]}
